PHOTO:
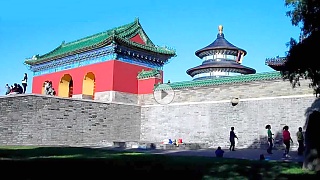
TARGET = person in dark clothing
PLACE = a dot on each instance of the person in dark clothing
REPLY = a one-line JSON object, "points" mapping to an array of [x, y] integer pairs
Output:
{"points": [[300, 139], [232, 141], [15, 89], [20, 89], [24, 82], [219, 152]]}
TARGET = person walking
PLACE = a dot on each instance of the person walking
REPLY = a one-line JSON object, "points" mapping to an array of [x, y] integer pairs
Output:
{"points": [[286, 140], [270, 139], [232, 139], [24, 82], [300, 139]]}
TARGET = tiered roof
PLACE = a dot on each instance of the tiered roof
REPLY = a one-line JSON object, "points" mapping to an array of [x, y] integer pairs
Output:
{"points": [[229, 66], [219, 44], [121, 34]]}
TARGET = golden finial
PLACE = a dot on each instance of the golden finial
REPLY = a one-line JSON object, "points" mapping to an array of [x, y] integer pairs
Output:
{"points": [[220, 28]]}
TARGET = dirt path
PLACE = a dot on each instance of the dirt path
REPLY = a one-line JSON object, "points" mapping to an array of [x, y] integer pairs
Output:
{"points": [[252, 154]]}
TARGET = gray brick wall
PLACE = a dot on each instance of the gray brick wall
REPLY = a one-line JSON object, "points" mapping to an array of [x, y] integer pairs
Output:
{"points": [[210, 122], [42, 120], [204, 115]]}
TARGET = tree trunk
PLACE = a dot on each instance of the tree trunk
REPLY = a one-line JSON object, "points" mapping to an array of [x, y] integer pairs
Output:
{"points": [[312, 151], [311, 160]]}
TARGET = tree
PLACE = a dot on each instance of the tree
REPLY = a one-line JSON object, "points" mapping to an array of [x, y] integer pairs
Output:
{"points": [[303, 62]]}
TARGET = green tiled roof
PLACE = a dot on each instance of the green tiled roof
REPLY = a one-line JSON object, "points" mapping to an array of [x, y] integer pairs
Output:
{"points": [[122, 33], [147, 74], [221, 81]]}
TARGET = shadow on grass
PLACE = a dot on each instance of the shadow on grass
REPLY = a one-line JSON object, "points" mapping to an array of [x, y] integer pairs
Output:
{"points": [[21, 152], [76, 162]]}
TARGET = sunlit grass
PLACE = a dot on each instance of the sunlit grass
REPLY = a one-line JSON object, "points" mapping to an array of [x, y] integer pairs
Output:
{"points": [[57, 157], [33, 152], [297, 171], [18, 147]]}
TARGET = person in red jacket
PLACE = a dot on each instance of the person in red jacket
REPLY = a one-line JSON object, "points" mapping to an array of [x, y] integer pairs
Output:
{"points": [[286, 140]]}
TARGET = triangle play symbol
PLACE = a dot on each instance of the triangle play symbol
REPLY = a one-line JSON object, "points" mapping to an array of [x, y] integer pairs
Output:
{"points": [[163, 94]]}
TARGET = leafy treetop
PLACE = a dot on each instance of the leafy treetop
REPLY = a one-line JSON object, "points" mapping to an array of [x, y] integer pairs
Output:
{"points": [[302, 58]]}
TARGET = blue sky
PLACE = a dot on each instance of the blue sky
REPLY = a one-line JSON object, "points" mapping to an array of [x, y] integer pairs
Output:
{"points": [[37, 27]]}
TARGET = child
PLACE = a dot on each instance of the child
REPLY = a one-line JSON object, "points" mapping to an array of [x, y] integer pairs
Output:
{"points": [[219, 152], [286, 140], [270, 139]]}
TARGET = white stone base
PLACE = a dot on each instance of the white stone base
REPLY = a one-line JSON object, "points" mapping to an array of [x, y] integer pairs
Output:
{"points": [[105, 96], [115, 96], [77, 96], [82, 96]]}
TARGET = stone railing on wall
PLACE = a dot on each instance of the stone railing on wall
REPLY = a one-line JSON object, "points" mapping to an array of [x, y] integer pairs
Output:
{"points": [[45, 120]]}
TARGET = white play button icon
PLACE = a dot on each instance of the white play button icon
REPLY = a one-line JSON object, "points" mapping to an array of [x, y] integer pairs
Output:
{"points": [[163, 94]]}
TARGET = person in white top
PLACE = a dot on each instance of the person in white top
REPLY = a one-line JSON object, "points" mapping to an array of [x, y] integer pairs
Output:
{"points": [[24, 82], [8, 89]]}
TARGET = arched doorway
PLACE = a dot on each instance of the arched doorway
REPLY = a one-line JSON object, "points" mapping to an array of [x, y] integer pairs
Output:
{"points": [[66, 86], [42, 89], [88, 87]]}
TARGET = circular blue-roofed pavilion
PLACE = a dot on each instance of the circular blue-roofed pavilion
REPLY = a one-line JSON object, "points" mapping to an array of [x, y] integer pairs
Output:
{"points": [[220, 59]]}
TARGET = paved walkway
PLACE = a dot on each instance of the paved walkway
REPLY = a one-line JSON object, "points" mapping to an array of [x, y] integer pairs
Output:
{"points": [[252, 154]]}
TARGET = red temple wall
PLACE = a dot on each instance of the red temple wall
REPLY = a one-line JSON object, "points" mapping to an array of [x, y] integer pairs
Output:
{"points": [[103, 77], [112, 75], [125, 77], [146, 86]]}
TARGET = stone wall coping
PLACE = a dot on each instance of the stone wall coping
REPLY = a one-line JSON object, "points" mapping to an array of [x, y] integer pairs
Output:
{"points": [[224, 101], [264, 76]]}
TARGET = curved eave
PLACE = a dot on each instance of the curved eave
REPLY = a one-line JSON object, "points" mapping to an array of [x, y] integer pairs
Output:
{"points": [[197, 53], [237, 68], [277, 63], [277, 67], [121, 33], [88, 48], [101, 38], [106, 42], [154, 49]]}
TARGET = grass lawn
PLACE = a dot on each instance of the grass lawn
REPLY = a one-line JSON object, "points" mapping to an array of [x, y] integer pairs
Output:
{"points": [[28, 162]]}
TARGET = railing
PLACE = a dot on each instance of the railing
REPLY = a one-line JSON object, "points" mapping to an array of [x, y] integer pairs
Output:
{"points": [[276, 61]]}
